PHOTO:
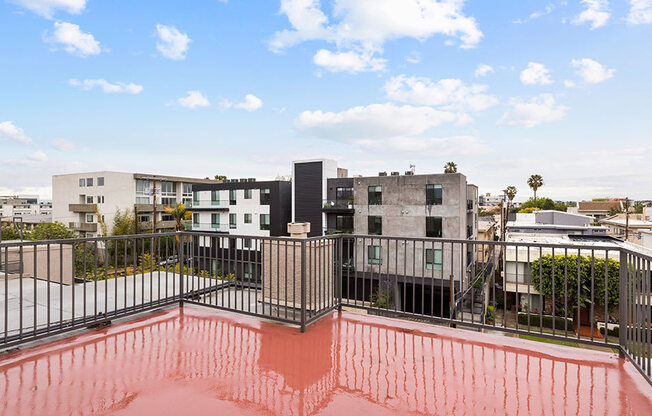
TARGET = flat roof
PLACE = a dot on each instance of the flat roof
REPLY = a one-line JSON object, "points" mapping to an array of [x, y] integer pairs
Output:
{"points": [[196, 361]]}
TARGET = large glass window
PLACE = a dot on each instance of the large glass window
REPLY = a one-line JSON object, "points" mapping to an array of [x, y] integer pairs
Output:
{"points": [[168, 188], [433, 194], [100, 181], [195, 198], [373, 255], [167, 201], [434, 259], [215, 220], [264, 221], [247, 193], [232, 197], [187, 189], [375, 194], [264, 196], [375, 225], [344, 223], [343, 193], [142, 186], [195, 218], [433, 227], [247, 271], [233, 221], [215, 197]]}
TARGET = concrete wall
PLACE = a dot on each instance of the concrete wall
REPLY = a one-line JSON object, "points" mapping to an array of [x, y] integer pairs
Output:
{"points": [[61, 258]]}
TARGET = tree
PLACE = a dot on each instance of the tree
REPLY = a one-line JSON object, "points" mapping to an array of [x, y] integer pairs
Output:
{"points": [[9, 233], [638, 208], [565, 281], [535, 182], [510, 191], [450, 167], [220, 178], [544, 204], [614, 211], [179, 214], [51, 231]]}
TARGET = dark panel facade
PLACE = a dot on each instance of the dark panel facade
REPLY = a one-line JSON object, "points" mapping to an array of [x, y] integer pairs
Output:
{"points": [[308, 195]]}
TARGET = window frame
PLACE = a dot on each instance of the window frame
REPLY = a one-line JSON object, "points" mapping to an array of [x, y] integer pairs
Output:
{"points": [[375, 195], [248, 194], [441, 227], [265, 196], [374, 225], [434, 264], [100, 181], [431, 194], [233, 197], [377, 258], [265, 222], [233, 221]]}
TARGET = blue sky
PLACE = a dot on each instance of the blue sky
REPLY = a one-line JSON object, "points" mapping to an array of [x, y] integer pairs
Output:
{"points": [[505, 89]]}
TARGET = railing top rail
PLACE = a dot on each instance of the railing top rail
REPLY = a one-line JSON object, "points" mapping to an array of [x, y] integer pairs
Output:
{"points": [[486, 242], [642, 256]]}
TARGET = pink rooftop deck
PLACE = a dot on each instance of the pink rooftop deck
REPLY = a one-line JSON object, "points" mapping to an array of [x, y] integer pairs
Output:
{"points": [[192, 361]]}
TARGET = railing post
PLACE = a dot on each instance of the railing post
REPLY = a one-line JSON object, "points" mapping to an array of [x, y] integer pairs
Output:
{"points": [[339, 275], [622, 304], [180, 251], [303, 285]]}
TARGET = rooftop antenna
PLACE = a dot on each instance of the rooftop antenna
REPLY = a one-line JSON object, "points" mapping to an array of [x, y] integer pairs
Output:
{"points": [[412, 168]]}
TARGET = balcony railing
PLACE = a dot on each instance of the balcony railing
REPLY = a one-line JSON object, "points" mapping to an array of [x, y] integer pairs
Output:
{"points": [[338, 205], [208, 227], [595, 294], [334, 231], [89, 227], [84, 208], [221, 203]]}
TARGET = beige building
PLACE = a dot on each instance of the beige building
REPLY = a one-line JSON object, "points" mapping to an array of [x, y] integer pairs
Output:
{"points": [[597, 209], [620, 227], [81, 200]]}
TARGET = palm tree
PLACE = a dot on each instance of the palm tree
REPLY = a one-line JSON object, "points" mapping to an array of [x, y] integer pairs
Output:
{"points": [[535, 182], [510, 191], [179, 214], [450, 167]]}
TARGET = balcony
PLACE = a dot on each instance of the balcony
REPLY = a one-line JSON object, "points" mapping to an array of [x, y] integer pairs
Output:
{"points": [[222, 228], [88, 227], [160, 225], [82, 208], [343, 206], [141, 208], [302, 358], [210, 204]]}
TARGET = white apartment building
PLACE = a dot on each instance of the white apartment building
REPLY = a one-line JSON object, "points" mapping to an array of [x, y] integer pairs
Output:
{"points": [[81, 200], [26, 209]]}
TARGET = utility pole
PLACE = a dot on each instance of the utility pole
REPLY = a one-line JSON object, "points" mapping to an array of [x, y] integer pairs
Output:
{"points": [[154, 199], [626, 218]]}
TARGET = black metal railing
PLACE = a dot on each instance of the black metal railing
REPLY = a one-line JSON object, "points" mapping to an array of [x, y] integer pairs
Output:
{"points": [[589, 294]]}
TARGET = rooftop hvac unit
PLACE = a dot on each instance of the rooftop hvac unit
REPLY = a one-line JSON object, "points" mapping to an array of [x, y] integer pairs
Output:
{"points": [[409, 172], [382, 173], [243, 179], [395, 173], [251, 180]]}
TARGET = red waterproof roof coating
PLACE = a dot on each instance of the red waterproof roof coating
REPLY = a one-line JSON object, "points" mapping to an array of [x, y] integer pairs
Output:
{"points": [[196, 362]]}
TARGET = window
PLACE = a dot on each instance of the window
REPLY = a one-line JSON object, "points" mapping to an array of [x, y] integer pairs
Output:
{"points": [[167, 201], [169, 188], [375, 194], [264, 196], [433, 259], [195, 197], [215, 220], [143, 218], [433, 227], [375, 225], [142, 186], [247, 193], [82, 182], [247, 271], [433, 195], [166, 217], [187, 189], [89, 199], [142, 200], [343, 193], [373, 255], [215, 197], [246, 243], [233, 221], [100, 199], [89, 217], [247, 218], [100, 181], [89, 181], [264, 221], [195, 218], [344, 223], [232, 197]]}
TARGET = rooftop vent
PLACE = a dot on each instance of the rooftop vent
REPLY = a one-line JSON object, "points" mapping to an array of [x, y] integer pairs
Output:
{"points": [[251, 180], [395, 173], [243, 179], [409, 172], [382, 173]]}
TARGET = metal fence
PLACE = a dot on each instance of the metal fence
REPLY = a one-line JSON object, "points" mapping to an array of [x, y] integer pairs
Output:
{"points": [[586, 293]]}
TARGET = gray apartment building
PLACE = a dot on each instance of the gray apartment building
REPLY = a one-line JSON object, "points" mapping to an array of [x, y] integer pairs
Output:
{"points": [[396, 208]]}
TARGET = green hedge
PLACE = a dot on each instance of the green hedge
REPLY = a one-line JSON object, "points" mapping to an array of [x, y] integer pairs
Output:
{"points": [[613, 332], [547, 321]]}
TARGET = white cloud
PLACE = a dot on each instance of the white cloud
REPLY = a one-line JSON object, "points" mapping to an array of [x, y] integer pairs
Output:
{"points": [[535, 73], [538, 110], [365, 25], [193, 100], [47, 8], [569, 84], [9, 132], [640, 12], [426, 146], [483, 70], [350, 61], [74, 41], [450, 94], [171, 42], [596, 12], [371, 121], [107, 87], [38, 156], [63, 145], [251, 103], [413, 57], [592, 71]]}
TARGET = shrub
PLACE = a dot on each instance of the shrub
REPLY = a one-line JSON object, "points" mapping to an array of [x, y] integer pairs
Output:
{"points": [[489, 315], [381, 298], [546, 322], [612, 332]]}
